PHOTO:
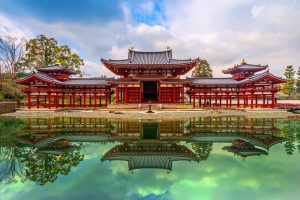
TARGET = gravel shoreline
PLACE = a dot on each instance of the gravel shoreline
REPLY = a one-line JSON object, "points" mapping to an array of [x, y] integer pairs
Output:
{"points": [[136, 114]]}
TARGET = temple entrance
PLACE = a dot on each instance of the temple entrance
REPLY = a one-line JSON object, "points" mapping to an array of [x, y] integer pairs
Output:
{"points": [[150, 91], [150, 131]]}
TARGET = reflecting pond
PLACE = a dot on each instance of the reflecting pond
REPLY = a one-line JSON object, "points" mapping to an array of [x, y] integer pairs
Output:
{"points": [[198, 158]]}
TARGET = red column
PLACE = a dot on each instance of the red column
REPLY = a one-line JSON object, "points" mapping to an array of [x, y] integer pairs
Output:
{"points": [[84, 100], [90, 98], [49, 99], [244, 97], [95, 100], [63, 100], [194, 98], [204, 99], [28, 101], [117, 95], [227, 100], [252, 99], [70, 100], [56, 101], [264, 100], [73, 100], [173, 95], [238, 100], [45, 101], [273, 99], [256, 102], [182, 94], [199, 100], [216, 99], [140, 93], [38, 101], [80, 100], [106, 96], [125, 94], [230, 100]]}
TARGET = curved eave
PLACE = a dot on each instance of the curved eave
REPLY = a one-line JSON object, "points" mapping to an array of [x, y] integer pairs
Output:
{"points": [[24, 81], [240, 68], [264, 76], [119, 69]]}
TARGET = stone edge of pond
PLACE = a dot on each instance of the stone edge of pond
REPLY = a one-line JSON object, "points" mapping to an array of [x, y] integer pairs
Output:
{"points": [[178, 114]]}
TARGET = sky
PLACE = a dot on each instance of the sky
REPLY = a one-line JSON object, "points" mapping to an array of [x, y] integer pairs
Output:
{"points": [[220, 31]]}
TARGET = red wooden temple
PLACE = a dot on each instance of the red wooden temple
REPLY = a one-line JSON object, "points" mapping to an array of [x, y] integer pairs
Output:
{"points": [[152, 77]]}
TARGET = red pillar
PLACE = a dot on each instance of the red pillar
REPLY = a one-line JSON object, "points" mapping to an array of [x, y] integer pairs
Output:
{"points": [[106, 96], [84, 100], [230, 100], [28, 101], [63, 100], [194, 98], [227, 100], [256, 101], [252, 99], [216, 99], [73, 100], [238, 100], [182, 94], [38, 101], [117, 95], [125, 94], [204, 99], [173, 95], [45, 101], [56, 101], [264, 100], [49, 100], [273, 99], [244, 97], [70, 101], [199, 100]]}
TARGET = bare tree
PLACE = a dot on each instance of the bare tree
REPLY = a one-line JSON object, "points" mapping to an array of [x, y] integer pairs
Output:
{"points": [[11, 52]]}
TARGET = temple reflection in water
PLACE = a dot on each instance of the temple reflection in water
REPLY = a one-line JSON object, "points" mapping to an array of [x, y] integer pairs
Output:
{"points": [[154, 144], [40, 149]]}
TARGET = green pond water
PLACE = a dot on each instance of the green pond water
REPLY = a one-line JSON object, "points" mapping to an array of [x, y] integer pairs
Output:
{"points": [[197, 158]]}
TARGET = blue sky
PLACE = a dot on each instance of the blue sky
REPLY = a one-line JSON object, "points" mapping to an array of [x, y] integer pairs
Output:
{"points": [[221, 31]]}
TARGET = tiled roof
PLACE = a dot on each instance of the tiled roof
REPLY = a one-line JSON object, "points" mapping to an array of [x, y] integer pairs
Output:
{"points": [[85, 81], [54, 68], [245, 67], [261, 75], [214, 81], [41, 76], [230, 81], [149, 58]]}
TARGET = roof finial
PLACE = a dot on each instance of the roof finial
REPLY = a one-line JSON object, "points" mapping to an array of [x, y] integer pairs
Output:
{"points": [[244, 61], [131, 48], [57, 62], [168, 48]]}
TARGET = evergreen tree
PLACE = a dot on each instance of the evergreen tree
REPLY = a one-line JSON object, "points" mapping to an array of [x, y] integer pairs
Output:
{"points": [[289, 86], [43, 51], [203, 69], [298, 81]]}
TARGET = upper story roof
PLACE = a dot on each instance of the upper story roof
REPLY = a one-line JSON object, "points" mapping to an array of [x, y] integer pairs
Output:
{"points": [[149, 60], [244, 67]]}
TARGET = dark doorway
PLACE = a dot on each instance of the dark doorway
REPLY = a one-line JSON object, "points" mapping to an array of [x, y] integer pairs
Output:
{"points": [[150, 91], [150, 130]]}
